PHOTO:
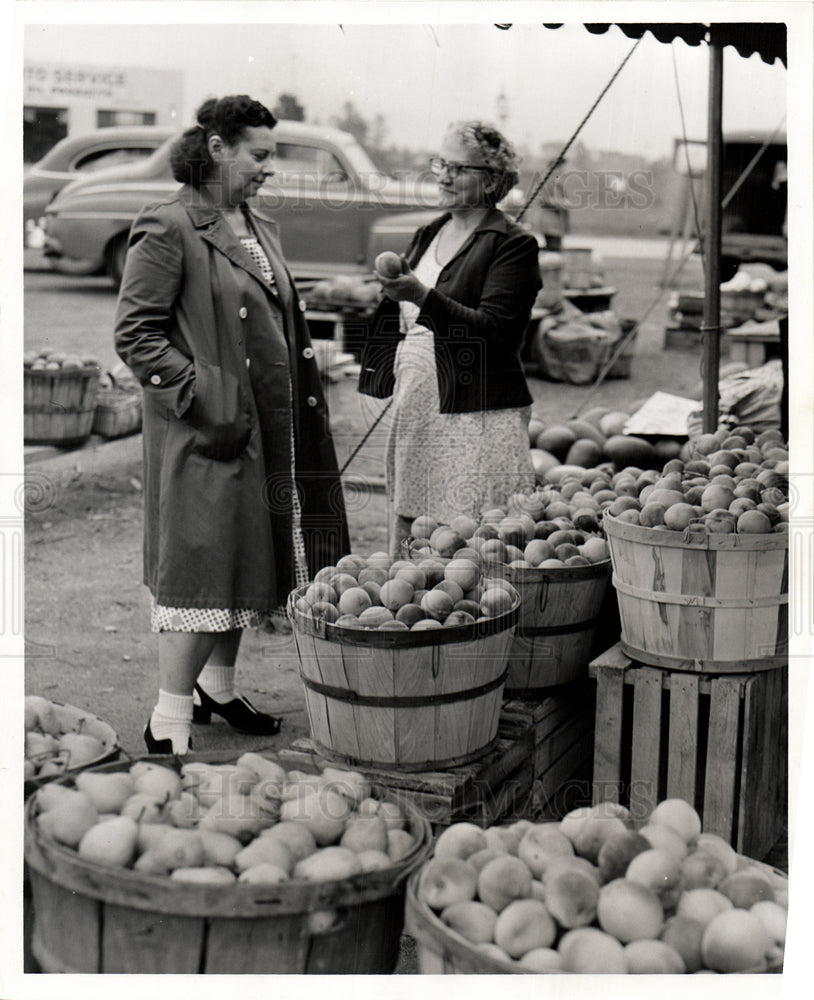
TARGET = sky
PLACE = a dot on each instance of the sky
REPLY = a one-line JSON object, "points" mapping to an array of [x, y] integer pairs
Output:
{"points": [[421, 76]]}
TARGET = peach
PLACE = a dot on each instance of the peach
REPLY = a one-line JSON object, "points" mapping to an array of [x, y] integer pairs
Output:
{"points": [[665, 838], [711, 843], [503, 879], [702, 870], [388, 264], [746, 887], [444, 881], [541, 960], [593, 832], [680, 815], [460, 840], [571, 895], [493, 951], [463, 573], [395, 593], [364, 833], [589, 950], [735, 941], [437, 604], [684, 934], [353, 601], [629, 910], [374, 861], [773, 916], [653, 957], [502, 839], [660, 871], [540, 843], [567, 862], [702, 904], [400, 843], [522, 925], [472, 919], [482, 857], [617, 852]]}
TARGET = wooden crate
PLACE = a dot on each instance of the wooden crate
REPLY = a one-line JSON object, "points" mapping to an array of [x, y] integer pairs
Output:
{"points": [[539, 766], [719, 741]]}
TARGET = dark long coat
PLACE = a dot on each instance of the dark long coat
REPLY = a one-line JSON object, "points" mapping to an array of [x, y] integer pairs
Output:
{"points": [[220, 357]]}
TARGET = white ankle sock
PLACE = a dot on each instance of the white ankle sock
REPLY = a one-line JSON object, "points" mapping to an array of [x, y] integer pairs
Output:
{"points": [[172, 719], [218, 682]]}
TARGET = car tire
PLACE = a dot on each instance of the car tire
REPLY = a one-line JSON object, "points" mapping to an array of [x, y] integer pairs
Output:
{"points": [[116, 254]]}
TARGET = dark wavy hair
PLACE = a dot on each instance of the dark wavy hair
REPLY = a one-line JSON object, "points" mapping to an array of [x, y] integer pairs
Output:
{"points": [[224, 116]]}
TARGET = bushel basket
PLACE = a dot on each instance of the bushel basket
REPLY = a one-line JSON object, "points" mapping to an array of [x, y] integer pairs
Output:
{"points": [[716, 603], [92, 918], [418, 701], [58, 406], [557, 623]]}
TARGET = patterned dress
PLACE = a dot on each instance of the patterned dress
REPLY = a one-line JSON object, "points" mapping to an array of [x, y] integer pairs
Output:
{"points": [[444, 464], [167, 619]]}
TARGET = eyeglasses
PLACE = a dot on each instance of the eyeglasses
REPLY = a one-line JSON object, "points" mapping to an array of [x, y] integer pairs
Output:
{"points": [[439, 165]]}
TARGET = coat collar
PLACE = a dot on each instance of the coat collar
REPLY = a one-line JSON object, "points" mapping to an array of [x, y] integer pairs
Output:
{"points": [[493, 221], [205, 216]]}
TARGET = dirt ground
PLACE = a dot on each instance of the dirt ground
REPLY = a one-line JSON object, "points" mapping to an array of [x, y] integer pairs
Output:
{"points": [[86, 611]]}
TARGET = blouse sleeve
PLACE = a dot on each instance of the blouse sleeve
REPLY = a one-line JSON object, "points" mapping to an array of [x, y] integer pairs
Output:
{"points": [[150, 285]]}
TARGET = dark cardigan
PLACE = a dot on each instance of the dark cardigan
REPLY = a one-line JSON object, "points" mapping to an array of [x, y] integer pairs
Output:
{"points": [[478, 312]]}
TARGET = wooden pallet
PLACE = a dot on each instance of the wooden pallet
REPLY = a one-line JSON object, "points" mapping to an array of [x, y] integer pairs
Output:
{"points": [[718, 741], [538, 767]]}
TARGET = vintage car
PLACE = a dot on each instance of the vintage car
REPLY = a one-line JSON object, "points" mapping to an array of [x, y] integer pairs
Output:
{"points": [[78, 156], [336, 210]]}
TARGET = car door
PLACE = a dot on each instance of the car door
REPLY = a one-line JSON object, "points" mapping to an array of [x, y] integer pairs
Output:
{"points": [[319, 202]]}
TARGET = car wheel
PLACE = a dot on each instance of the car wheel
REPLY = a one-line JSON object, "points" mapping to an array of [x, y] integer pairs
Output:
{"points": [[115, 258]]}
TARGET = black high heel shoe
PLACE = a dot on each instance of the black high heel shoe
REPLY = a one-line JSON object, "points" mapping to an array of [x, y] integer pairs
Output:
{"points": [[241, 715], [159, 746]]}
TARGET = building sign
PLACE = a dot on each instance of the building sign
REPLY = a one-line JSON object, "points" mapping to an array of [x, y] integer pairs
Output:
{"points": [[65, 84]]}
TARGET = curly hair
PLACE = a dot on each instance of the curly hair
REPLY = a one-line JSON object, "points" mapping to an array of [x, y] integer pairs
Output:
{"points": [[225, 116], [493, 149]]}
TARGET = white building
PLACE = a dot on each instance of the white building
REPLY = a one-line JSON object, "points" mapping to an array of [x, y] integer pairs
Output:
{"points": [[66, 98]]}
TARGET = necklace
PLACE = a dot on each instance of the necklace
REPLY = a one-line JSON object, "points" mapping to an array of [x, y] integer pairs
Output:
{"points": [[450, 240]]}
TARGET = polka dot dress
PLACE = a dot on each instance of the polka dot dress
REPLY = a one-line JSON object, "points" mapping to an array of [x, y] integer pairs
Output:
{"points": [[168, 619]]}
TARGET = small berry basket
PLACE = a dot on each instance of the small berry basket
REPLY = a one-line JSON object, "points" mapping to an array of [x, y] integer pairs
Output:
{"points": [[59, 404]]}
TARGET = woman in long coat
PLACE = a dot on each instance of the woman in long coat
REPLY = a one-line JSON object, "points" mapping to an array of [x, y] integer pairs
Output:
{"points": [[242, 493]]}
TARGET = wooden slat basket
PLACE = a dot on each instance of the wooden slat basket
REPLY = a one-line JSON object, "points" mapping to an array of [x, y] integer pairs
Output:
{"points": [[716, 603], [559, 615], [73, 719], [91, 918], [422, 700], [58, 406], [441, 951]]}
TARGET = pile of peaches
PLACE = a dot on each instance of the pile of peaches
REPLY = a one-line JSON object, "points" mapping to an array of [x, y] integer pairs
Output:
{"points": [[251, 821], [430, 592], [594, 894], [735, 484]]}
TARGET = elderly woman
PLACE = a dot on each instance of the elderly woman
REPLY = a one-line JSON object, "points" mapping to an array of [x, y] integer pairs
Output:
{"points": [[446, 341], [241, 486]]}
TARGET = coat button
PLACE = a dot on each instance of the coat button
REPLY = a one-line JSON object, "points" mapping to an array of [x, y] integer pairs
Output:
{"points": [[155, 379], [311, 401], [308, 352], [243, 312], [302, 305], [248, 362]]}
